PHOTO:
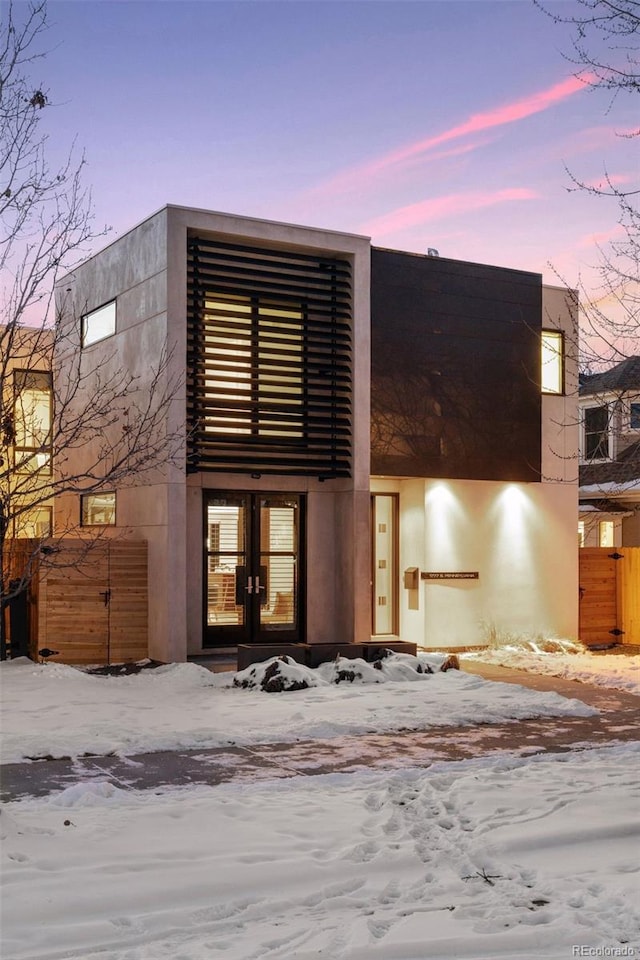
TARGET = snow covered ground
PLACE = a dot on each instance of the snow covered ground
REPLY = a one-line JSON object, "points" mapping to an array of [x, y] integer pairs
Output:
{"points": [[57, 710], [532, 857], [492, 858], [619, 671]]}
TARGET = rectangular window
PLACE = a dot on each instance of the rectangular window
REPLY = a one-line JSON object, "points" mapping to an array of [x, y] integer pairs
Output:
{"points": [[36, 524], [384, 578], [99, 324], [596, 433], [552, 379], [634, 416], [581, 533], [98, 509], [32, 416], [605, 533], [254, 354]]}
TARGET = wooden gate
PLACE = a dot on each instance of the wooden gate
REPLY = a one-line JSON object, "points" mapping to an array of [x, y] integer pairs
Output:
{"points": [[609, 595], [88, 605]]}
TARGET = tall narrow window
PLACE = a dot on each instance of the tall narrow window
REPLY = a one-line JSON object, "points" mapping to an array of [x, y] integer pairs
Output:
{"points": [[385, 563], [254, 353], [596, 432], [605, 533], [581, 533], [32, 420], [552, 379]]}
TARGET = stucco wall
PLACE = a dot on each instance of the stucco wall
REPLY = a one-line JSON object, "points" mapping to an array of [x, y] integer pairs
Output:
{"points": [[337, 536], [520, 538], [150, 505], [146, 271]]}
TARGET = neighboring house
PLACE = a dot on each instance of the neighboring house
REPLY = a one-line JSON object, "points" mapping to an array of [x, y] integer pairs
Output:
{"points": [[373, 443], [26, 414], [610, 456]]}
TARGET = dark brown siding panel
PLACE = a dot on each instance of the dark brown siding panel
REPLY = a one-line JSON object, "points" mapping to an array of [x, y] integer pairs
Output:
{"points": [[455, 369]]}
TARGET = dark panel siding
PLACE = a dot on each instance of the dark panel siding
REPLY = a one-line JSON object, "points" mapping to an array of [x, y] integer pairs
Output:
{"points": [[455, 369]]}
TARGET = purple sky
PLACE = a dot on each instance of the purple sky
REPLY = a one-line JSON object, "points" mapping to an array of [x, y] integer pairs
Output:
{"points": [[422, 124]]}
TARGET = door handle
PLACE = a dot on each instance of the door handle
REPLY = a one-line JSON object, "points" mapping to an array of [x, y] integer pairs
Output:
{"points": [[249, 586], [106, 596], [263, 596]]}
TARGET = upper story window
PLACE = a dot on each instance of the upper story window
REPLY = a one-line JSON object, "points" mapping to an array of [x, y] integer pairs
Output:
{"points": [[254, 379], [634, 415], [596, 432], [99, 324], [269, 360], [552, 378], [32, 416]]}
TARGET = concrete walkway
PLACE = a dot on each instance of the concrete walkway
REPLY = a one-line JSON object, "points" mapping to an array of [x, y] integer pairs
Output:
{"points": [[619, 720]]}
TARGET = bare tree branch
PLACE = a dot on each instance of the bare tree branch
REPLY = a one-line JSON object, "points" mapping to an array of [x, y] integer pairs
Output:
{"points": [[56, 399]]}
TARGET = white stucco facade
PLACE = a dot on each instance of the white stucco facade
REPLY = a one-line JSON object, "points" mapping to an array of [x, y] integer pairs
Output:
{"points": [[145, 271], [520, 540]]}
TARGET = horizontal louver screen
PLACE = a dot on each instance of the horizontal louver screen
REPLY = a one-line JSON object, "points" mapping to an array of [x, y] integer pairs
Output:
{"points": [[268, 361]]}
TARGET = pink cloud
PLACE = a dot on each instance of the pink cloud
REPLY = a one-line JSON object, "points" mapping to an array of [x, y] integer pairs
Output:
{"points": [[499, 116], [611, 180], [439, 207], [598, 239]]}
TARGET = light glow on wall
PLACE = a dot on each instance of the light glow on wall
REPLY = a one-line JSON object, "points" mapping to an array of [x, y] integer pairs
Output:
{"points": [[444, 528], [513, 519]]}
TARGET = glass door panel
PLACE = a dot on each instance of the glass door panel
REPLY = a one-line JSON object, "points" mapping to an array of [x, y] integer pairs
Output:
{"points": [[226, 561], [252, 572], [278, 564], [385, 572]]}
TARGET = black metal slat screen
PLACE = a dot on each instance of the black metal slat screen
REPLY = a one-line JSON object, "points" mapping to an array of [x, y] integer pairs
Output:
{"points": [[268, 360]]}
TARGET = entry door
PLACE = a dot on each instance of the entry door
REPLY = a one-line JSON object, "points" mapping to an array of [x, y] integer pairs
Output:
{"points": [[384, 555], [253, 578]]}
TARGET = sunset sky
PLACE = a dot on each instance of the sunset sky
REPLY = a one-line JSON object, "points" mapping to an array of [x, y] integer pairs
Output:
{"points": [[421, 124]]}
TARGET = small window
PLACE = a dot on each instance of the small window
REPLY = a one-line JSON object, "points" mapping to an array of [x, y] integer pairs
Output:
{"points": [[596, 432], [552, 379], [605, 533], [98, 509], [634, 416], [99, 324], [36, 524], [581, 533]]}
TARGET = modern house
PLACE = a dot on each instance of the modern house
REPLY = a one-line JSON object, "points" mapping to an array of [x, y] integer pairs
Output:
{"points": [[610, 456], [365, 442]]}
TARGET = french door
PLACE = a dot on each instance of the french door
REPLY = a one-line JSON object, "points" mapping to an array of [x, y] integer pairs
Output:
{"points": [[253, 577]]}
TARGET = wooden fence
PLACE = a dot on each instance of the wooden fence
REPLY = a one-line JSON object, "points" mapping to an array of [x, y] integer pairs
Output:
{"points": [[90, 605], [609, 595]]}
